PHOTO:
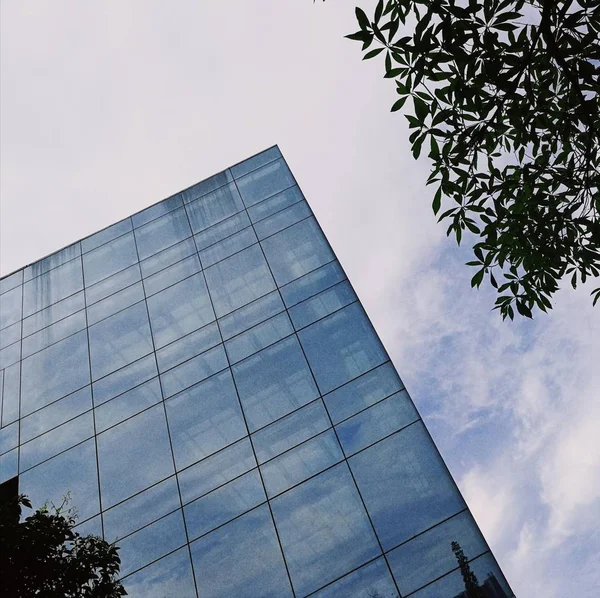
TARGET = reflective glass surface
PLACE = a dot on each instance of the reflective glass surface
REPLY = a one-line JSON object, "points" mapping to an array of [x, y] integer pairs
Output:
{"points": [[162, 233], [264, 182], [109, 258], [214, 207]]}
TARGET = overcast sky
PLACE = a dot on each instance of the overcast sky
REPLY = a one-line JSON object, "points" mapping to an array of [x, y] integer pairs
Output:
{"points": [[108, 107]]}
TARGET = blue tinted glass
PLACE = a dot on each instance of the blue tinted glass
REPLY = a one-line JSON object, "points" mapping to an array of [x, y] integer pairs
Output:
{"points": [[63, 368], [10, 355], [376, 422], [162, 233], [206, 186], [362, 392], [115, 303], [250, 315], [152, 542], [10, 307], [107, 234], [52, 261], [257, 338], [238, 280], [405, 485], [188, 346], [227, 247], [287, 217], [223, 504], [9, 465], [119, 340], [124, 379], [169, 256], [112, 284], [302, 462], [9, 335], [10, 282], [324, 529], [312, 283], [179, 309], [274, 382], [52, 314], [264, 182], [223, 229], [54, 333], [10, 395], [110, 258], [430, 555], [255, 162], [230, 554], [9, 436], [72, 473], [297, 250], [341, 347], [216, 470], [157, 210], [91, 526], [169, 276], [142, 440], [204, 419], [214, 207], [275, 204], [170, 576]]}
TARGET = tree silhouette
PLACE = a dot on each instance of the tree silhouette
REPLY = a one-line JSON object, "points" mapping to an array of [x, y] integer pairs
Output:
{"points": [[472, 587]]}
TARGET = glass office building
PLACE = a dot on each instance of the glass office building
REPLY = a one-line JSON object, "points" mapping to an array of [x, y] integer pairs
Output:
{"points": [[204, 384]]}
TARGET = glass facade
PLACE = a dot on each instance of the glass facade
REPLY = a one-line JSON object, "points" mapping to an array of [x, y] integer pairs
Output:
{"points": [[203, 382]]}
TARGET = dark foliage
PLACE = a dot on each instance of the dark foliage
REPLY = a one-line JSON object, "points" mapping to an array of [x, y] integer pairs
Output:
{"points": [[472, 587]]}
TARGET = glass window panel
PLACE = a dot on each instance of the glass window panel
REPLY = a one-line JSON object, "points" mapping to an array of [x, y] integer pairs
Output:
{"points": [[223, 504], [255, 162], [10, 355], [112, 284], [214, 207], [251, 314], [124, 379], [160, 209], [274, 382], [204, 419], [115, 303], [274, 204], [238, 280], [188, 346], [9, 465], [10, 307], [52, 314], [55, 372], [170, 576], [302, 462], [323, 304], [236, 569], [162, 233], [119, 340], [362, 392], [9, 335], [90, 527], [133, 401], [53, 333], [297, 250], [142, 440], [10, 394], [376, 422], [285, 218], [141, 509], [257, 338], [110, 258], [59, 412], [107, 234], [152, 542], [52, 261], [10, 282], [72, 473], [216, 470], [169, 256], [57, 440], [342, 346], [405, 485], [264, 182], [430, 555], [227, 227], [312, 283], [371, 581], [324, 529], [194, 370], [9, 436], [171, 275], [180, 309], [227, 247], [52, 287], [290, 431], [203, 187]]}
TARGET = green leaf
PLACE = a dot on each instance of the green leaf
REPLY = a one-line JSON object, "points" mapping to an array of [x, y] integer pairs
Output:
{"points": [[373, 53], [421, 108], [362, 19], [476, 280], [437, 201], [398, 104]]}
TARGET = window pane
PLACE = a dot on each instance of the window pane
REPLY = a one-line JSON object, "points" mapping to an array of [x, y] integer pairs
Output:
{"points": [[324, 529], [179, 309], [10, 395], [224, 229], [10, 307], [112, 284], [264, 182], [206, 186], [285, 218], [110, 258], [312, 283], [341, 347], [119, 340], [10, 355], [115, 303], [10, 282], [72, 473], [142, 440], [204, 419], [9, 335], [52, 314], [171, 275], [124, 379], [230, 554], [255, 162], [9, 436], [55, 372], [238, 280], [275, 204], [405, 485], [107, 234], [219, 251], [162, 233], [274, 382], [214, 207], [157, 210], [250, 315], [54, 333], [169, 256], [188, 346], [9, 465], [52, 261]]}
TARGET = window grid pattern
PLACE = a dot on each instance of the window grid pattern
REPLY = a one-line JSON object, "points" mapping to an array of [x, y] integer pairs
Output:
{"points": [[236, 344]]}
